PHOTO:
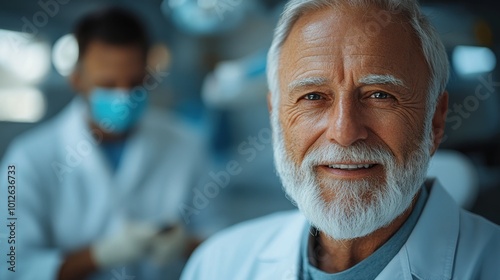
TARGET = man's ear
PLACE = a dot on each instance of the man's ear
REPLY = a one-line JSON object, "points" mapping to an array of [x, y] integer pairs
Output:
{"points": [[76, 80], [159, 58], [439, 121]]}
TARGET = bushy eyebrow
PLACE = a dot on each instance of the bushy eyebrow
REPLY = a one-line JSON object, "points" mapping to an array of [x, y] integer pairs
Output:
{"points": [[376, 79], [307, 82], [371, 79]]}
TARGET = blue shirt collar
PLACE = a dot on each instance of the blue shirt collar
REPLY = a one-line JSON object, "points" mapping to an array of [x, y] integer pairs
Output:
{"points": [[370, 267]]}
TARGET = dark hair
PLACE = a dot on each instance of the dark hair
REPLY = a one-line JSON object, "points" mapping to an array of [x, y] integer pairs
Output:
{"points": [[111, 25]]}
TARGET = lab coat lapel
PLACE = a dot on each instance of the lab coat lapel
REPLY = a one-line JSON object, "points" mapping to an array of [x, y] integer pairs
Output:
{"points": [[133, 166], [280, 260], [86, 191], [432, 245], [132, 163], [76, 136], [398, 267], [429, 252]]}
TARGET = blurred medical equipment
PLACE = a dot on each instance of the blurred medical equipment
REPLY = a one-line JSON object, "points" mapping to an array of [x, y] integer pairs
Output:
{"points": [[472, 97], [457, 175], [237, 83], [473, 118], [207, 17], [235, 93]]}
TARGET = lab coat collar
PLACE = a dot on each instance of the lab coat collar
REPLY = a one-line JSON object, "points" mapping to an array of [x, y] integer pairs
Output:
{"points": [[429, 252], [421, 256], [76, 134], [282, 255], [433, 258], [77, 139]]}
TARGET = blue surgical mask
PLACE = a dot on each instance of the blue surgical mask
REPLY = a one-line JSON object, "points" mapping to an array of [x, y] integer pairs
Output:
{"points": [[117, 110]]}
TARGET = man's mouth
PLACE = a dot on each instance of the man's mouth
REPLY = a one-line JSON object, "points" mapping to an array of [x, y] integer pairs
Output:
{"points": [[356, 170], [351, 167]]}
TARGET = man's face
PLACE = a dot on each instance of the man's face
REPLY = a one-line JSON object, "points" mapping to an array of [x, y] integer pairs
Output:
{"points": [[352, 115], [109, 66]]}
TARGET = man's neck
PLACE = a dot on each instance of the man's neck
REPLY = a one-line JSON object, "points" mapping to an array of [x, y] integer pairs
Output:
{"points": [[107, 137], [339, 255]]}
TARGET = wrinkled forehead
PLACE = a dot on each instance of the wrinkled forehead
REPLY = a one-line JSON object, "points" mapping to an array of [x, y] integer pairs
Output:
{"points": [[365, 40]]}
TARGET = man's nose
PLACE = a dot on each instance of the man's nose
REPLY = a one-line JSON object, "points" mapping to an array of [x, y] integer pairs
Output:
{"points": [[346, 122]]}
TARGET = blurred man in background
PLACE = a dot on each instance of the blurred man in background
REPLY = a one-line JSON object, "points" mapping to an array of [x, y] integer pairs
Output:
{"points": [[100, 184]]}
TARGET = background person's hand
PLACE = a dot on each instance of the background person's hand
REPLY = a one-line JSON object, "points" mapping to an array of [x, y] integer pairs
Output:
{"points": [[168, 245], [129, 245]]}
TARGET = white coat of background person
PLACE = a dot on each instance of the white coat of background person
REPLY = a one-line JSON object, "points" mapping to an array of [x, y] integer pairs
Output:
{"points": [[356, 112], [84, 209]]}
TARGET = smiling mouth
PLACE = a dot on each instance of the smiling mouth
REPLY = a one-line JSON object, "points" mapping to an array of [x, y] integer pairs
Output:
{"points": [[351, 167]]}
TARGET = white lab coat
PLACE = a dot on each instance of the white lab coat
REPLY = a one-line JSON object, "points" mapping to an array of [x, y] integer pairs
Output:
{"points": [[446, 243], [68, 197]]}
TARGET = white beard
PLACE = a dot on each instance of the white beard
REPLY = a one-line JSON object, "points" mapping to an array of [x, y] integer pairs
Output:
{"points": [[357, 207]]}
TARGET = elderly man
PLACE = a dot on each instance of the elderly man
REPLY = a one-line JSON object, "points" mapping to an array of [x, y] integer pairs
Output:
{"points": [[358, 106]]}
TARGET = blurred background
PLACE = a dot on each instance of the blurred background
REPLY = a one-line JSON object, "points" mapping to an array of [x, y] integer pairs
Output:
{"points": [[214, 52]]}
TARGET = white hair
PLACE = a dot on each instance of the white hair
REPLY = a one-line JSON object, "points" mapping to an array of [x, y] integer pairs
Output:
{"points": [[432, 47]]}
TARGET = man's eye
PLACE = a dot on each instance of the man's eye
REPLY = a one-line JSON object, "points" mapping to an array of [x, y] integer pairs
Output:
{"points": [[380, 95], [312, 96]]}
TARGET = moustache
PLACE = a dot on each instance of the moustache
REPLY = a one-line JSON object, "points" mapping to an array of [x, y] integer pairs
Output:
{"points": [[358, 153]]}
